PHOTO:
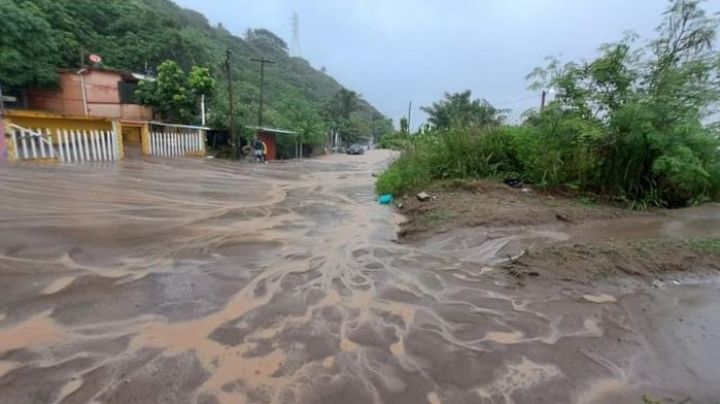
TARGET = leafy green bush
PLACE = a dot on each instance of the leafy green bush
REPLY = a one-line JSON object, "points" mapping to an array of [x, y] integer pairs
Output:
{"points": [[409, 172], [449, 155], [394, 141]]}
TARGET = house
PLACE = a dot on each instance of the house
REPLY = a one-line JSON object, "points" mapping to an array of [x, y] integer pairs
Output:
{"points": [[96, 92], [91, 116]]}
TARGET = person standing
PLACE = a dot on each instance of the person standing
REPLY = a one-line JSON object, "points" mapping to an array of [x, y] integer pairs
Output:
{"points": [[260, 149]]}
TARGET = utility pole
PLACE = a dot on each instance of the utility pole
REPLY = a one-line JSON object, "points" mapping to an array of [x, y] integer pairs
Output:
{"points": [[262, 62], [83, 90], [409, 116], [231, 101], [542, 99], [202, 109]]}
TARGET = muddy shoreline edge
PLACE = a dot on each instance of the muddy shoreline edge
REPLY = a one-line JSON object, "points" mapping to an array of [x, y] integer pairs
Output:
{"points": [[597, 248]]}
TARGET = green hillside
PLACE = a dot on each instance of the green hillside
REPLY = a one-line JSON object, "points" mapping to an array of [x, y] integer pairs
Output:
{"points": [[39, 36]]}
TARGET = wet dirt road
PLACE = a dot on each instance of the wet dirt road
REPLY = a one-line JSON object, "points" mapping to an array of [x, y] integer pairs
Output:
{"points": [[189, 281]]}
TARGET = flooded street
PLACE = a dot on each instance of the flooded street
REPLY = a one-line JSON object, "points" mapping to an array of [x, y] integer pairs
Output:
{"points": [[200, 281]]}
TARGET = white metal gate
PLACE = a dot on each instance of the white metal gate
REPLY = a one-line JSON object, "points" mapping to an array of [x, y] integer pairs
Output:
{"points": [[26, 144], [64, 145], [176, 144]]}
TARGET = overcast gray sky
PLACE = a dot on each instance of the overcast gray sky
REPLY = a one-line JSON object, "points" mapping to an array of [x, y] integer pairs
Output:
{"points": [[394, 51]]}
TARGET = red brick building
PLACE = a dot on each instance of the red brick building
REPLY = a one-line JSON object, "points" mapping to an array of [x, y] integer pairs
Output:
{"points": [[92, 92]]}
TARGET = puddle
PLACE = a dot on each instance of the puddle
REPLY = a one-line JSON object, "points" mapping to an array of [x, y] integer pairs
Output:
{"points": [[601, 298]]}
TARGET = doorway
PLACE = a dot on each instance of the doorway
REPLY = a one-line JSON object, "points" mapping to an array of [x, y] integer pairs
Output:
{"points": [[132, 140]]}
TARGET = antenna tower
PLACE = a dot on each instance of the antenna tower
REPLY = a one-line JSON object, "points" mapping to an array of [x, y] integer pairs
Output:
{"points": [[295, 51]]}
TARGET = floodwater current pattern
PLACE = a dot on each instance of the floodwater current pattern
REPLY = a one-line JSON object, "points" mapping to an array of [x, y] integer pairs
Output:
{"points": [[201, 281]]}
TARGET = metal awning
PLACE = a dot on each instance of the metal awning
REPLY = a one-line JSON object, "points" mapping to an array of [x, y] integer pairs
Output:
{"points": [[172, 125], [273, 130]]}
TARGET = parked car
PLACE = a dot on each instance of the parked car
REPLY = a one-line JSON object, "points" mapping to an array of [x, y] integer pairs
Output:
{"points": [[356, 149]]}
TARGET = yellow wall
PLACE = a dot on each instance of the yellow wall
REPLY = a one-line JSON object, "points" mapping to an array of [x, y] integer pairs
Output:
{"points": [[35, 119]]}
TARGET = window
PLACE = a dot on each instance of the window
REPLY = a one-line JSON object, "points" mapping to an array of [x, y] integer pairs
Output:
{"points": [[127, 92]]}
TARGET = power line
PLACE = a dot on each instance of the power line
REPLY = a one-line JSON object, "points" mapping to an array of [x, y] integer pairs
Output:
{"points": [[532, 97]]}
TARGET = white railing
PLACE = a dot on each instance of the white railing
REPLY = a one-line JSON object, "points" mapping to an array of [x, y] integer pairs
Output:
{"points": [[31, 144], [176, 144], [66, 145]]}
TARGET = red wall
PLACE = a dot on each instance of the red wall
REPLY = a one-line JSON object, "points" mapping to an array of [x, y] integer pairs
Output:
{"points": [[269, 140]]}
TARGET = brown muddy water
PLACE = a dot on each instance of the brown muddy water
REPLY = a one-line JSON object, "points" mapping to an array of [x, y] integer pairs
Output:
{"points": [[198, 281]]}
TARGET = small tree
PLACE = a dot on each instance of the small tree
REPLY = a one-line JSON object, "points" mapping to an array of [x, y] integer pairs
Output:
{"points": [[404, 125], [175, 94], [632, 121], [338, 111], [299, 116]]}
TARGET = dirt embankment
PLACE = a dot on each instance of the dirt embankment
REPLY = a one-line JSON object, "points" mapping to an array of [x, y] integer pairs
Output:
{"points": [[599, 241], [491, 204]]}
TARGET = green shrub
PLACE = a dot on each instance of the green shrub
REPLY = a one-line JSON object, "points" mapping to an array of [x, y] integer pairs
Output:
{"points": [[449, 155], [642, 168], [409, 172], [394, 141]]}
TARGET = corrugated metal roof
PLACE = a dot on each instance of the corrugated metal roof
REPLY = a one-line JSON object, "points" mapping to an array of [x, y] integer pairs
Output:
{"points": [[178, 126]]}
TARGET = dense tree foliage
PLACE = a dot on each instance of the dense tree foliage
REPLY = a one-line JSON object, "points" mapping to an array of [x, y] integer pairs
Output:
{"points": [[267, 41], [344, 123], [38, 36], [33, 63], [635, 124], [459, 110]]}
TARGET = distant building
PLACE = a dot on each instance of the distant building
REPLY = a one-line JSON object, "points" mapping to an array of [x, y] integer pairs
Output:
{"points": [[269, 136], [96, 92]]}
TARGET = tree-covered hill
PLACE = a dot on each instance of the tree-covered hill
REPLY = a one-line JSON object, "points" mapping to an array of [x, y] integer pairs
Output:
{"points": [[39, 36]]}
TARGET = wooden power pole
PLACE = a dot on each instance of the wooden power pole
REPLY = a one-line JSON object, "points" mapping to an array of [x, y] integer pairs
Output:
{"points": [[409, 117], [231, 102], [262, 62]]}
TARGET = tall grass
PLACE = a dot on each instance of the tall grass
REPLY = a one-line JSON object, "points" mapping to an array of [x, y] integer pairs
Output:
{"points": [[454, 155], [642, 169]]}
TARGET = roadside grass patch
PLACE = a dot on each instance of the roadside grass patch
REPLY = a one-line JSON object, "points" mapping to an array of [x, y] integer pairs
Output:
{"points": [[705, 246]]}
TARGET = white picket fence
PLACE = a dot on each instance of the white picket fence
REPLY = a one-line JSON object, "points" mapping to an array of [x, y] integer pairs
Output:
{"points": [[65, 145], [176, 144]]}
